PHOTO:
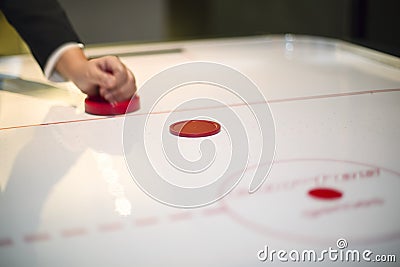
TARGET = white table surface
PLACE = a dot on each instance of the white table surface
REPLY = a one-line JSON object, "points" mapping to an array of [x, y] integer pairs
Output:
{"points": [[336, 110]]}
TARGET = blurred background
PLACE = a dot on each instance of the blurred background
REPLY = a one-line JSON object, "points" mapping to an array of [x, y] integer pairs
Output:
{"points": [[371, 23]]}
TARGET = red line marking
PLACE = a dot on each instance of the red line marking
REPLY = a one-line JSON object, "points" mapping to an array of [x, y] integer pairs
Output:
{"points": [[73, 232], [37, 237], [6, 242], [146, 221], [339, 161], [344, 207], [53, 123], [181, 216], [212, 107], [111, 227], [334, 95]]}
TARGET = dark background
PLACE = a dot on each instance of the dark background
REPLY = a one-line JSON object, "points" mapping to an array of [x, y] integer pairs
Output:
{"points": [[371, 23]]}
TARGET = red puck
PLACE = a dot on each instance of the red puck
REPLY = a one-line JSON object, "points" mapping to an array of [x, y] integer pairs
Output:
{"points": [[325, 193], [97, 105], [195, 128]]}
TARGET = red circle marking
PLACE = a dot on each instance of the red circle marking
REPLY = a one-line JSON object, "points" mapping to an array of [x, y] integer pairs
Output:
{"points": [[195, 128], [325, 193], [268, 230], [99, 106]]}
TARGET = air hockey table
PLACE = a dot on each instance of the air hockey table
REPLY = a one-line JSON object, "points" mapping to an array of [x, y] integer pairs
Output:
{"points": [[71, 192]]}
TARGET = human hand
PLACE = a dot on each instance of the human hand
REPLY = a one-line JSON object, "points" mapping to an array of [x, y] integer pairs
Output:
{"points": [[105, 76]]}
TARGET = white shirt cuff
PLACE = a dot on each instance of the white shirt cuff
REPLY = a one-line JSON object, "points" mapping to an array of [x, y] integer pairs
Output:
{"points": [[49, 69]]}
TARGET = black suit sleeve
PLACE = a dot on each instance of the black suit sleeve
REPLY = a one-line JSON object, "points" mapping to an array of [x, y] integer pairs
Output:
{"points": [[43, 25]]}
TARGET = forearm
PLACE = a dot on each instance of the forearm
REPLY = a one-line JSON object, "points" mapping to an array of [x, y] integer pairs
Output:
{"points": [[71, 63]]}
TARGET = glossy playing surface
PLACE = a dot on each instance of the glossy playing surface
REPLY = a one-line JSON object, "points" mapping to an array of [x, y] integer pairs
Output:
{"points": [[69, 199]]}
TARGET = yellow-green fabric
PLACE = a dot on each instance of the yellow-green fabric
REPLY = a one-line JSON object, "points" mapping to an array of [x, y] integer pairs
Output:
{"points": [[10, 41]]}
